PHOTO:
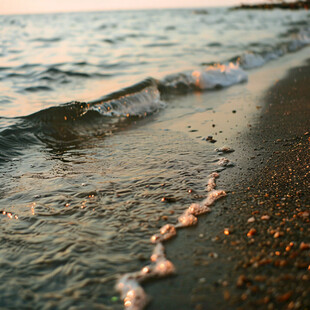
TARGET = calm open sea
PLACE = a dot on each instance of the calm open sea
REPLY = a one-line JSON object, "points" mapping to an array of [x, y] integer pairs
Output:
{"points": [[82, 172]]}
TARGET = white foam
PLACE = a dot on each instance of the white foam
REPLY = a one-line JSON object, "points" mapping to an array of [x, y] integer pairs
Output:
{"points": [[251, 60], [136, 104], [213, 196], [225, 162], [198, 209], [297, 41], [163, 268], [211, 182], [166, 232], [218, 76], [225, 149], [129, 285], [132, 293], [187, 219]]}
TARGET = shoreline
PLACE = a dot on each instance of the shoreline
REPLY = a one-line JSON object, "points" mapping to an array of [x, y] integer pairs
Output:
{"points": [[266, 269]]}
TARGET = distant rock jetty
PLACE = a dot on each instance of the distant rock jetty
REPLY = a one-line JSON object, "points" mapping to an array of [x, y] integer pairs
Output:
{"points": [[296, 5]]}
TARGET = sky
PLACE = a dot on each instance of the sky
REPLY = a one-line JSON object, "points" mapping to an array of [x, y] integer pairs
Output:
{"points": [[51, 6]]}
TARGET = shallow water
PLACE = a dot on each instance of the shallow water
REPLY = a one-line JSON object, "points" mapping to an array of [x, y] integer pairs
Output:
{"points": [[85, 215], [82, 184]]}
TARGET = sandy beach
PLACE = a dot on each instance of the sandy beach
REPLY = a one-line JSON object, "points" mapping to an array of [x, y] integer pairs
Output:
{"points": [[252, 251], [114, 124]]}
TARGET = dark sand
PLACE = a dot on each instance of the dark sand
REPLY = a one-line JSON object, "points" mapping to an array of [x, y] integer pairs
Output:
{"points": [[263, 263]]}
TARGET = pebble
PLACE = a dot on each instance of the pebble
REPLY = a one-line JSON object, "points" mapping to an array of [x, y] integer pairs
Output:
{"points": [[251, 232], [251, 219], [213, 255], [226, 231], [278, 234], [242, 280], [304, 246]]}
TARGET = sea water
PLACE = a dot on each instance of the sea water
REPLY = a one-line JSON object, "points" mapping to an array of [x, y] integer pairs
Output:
{"points": [[85, 180]]}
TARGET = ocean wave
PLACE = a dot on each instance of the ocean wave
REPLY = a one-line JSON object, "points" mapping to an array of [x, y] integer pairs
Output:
{"points": [[212, 77], [145, 97], [38, 88], [298, 40], [71, 122], [75, 121], [47, 40]]}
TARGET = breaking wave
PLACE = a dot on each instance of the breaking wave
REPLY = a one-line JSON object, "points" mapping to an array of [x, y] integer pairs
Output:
{"points": [[298, 40], [74, 121], [71, 122]]}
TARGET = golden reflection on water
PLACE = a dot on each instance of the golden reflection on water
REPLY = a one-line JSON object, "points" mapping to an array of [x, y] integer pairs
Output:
{"points": [[32, 208]]}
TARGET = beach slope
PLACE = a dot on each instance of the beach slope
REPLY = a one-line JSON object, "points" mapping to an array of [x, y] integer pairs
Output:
{"points": [[253, 250]]}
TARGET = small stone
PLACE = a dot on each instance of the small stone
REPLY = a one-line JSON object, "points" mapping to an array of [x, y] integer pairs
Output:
{"points": [[242, 280], [278, 234], [251, 219], [226, 231], [226, 295], [260, 278], [251, 232], [284, 297], [198, 307], [213, 255], [304, 246]]}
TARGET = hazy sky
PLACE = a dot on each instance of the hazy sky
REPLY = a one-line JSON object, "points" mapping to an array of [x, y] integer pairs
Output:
{"points": [[44, 6]]}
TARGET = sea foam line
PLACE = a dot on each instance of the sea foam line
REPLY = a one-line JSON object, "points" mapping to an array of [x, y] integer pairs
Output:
{"points": [[129, 285]]}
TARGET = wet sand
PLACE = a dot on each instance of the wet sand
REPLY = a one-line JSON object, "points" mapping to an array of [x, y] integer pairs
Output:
{"points": [[263, 259]]}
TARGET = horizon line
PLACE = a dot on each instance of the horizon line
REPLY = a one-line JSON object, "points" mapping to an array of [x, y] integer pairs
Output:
{"points": [[114, 10]]}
